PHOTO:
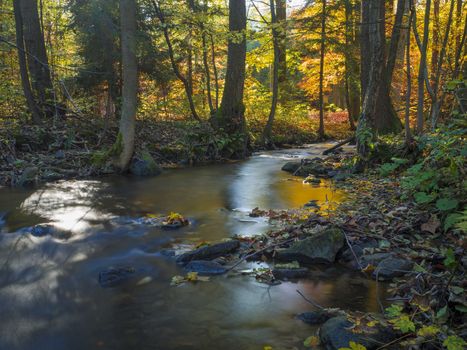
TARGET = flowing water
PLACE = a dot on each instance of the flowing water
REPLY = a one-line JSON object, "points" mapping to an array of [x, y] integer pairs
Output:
{"points": [[50, 297]]}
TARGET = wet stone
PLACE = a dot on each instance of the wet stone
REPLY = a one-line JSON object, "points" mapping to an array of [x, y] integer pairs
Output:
{"points": [[290, 273], [205, 268], [392, 267], [113, 277], [209, 252], [314, 317]]}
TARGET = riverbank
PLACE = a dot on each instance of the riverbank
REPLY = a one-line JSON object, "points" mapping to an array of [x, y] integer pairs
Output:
{"points": [[71, 149]]}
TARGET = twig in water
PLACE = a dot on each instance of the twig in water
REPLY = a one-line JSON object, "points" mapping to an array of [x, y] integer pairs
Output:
{"points": [[351, 249], [312, 302]]}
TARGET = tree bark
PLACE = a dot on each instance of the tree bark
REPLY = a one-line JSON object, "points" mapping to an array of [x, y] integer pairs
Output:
{"points": [[408, 134], [422, 69], [267, 132], [281, 32], [366, 124], [25, 82], [214, 70], [352, 98], [321, 70], [37, 61], [130, 83], [231, 115]]}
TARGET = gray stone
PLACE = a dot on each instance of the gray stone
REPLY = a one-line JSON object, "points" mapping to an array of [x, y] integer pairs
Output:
{"points": [[113, 277], [291, 167], [337, 333], [60, 154], [144, 166], [392, 267], [205, 267], [209, 252], [320, 248], [290, 273], [315, 317], [28, 177]]}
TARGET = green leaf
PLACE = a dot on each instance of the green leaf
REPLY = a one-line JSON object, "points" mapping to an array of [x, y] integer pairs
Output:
{"points": [[311, 342], [394, 310], [451, 220], [449, 258], [428, 331], [446, 204], [442, 313], [354, 346], [423, 198], [453, 342], [461, 308], [404, 324]]}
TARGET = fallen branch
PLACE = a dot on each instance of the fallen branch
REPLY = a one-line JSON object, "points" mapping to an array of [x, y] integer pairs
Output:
{"points": [[312, 302], [340, 144]]}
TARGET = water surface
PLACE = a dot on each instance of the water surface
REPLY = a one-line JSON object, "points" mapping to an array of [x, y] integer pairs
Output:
{"points": [[50, 297]]}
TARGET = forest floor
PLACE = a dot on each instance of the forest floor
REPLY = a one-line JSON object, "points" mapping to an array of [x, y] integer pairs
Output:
{"points": [[77, 149]]}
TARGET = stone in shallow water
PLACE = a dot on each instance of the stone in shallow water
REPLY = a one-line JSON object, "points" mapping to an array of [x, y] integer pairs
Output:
{"points": [[290, 273], [314, 317], [320, 248], [337, 333], [115, 276], [205, 268], [209, 252], [392, 267]]}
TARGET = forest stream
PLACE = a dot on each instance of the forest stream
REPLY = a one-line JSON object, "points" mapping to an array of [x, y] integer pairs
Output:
{"points": [[50, 296]]}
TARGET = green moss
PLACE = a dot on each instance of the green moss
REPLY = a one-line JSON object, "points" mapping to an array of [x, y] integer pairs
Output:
{"points": [[99, 158]]}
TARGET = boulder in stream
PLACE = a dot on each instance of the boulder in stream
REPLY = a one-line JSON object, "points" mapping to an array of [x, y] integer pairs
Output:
{"points": [[320, 248], [392, 267], [115, 276], [209, 252], [315, 317], [28, 177], [205, 267], [144, 165], [337, 333]]}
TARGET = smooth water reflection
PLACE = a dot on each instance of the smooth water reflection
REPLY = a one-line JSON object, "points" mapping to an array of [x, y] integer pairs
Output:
{"points": [[49, 292]]}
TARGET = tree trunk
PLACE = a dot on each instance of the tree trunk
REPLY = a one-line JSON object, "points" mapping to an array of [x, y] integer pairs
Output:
{"points": [[267, 132], [366, 124], [281, 32], [408, 135], [214, 70], [386, 119], [435, 40], [37, 61], [231, 115], [130, 83], [321, 71], [178, 74], [422, 69], [352, 99], [25, 82]]}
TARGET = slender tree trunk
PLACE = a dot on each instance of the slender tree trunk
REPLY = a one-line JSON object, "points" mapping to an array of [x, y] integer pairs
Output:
{"points": [[366, 124], [408, 134], [231, 115], [321, 70], [267, 132], [350, 86], [214, 70], [207, 72], [130, 82], [26, 84], [365, 52], [422, 69], [37, 61], [178, 74], [281, 33], [435, 40]]}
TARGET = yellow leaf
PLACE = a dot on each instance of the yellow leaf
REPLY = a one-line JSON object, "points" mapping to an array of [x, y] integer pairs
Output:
{"points": [[311, 342], [192, 276]]}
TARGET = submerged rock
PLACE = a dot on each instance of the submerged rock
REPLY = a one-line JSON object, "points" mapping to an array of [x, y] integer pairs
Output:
{"points": [[42, 230], [205, 267], [336, 333], [321, 248], [392, 267], [291, 167], [28, 177], [209, 252], [115, 276], [281, 273], [315, 317], [144, 166]]}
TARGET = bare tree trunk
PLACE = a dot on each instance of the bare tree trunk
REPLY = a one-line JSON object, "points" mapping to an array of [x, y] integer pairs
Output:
{"points": [[26, 84], [408, 134], [422, 69], [365, 52], [267, 132], [321, 70], [130, 83], [281, 32], [178, 74], [351, 87], [231, 115], [366, 124], [37, 61], [435, 40], [214, 70], [437, 101]]}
